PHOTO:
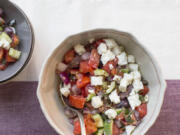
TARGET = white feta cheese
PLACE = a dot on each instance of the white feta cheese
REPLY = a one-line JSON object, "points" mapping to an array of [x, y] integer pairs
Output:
{"points": [[137, 85], [128, 77], [129, 129], [96, 102], [117, 50], [146, 98], [102, 48], [91, 90], [96, 80], [133, 67], [111, 113], [111, 66], [107, 57], [136, 75], [134, 101], [111, 43], [131, 59], [79, 49], [114, 97], [122, 59], [133, 92], [123, 85], [4, 44], [117, 78], [65, 90]]}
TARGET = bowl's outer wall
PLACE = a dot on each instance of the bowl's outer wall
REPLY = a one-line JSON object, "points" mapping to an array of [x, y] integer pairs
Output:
{"points": [[25, 33], [47, 89]]}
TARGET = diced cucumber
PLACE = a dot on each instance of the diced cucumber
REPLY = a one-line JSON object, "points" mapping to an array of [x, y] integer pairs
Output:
{"points": [[119, 110], [98, 120], [14, 53], [4, 36], [110, 87], [100, 132], [89, 97], [100, 72], [125, 70], [105, 85], [108, 127]]}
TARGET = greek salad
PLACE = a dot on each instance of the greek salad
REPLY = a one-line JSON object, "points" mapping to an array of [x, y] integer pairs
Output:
{"points": [[105, 84], [8, 42]]}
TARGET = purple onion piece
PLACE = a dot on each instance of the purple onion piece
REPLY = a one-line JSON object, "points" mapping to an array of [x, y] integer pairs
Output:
{"points": [[123, 103], [118, 123], [75, 62], [89, 87], [137, 116], [64, 77], [85, 56], [9, 31], [75, 90]]}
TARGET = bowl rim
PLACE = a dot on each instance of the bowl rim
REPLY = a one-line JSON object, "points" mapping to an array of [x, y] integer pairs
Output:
{"points": [[163, 84], [32, 44]]}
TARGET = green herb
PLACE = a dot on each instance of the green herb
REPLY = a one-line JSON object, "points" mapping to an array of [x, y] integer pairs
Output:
{"points": [[128, 119], [125, 70], [141, 98]]}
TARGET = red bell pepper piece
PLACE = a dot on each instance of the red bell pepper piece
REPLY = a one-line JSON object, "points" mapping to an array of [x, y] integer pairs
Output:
{"points": [[85, 67], [142, 109], [82, 80], [69, 56], [144, 91]]}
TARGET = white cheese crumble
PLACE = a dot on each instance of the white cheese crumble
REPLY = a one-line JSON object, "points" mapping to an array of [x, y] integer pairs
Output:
{"points": [[111, 113], [91, 90], [102, 48], [114, 97], [4, 44], [96, 80], [129, 129], [117, 78], [128, 77], [111, 66], [137, 85], [111, 43], [134, 101], [117, 50], [96, 102], [133, 67], [107, 57], [122, 59], [123, 85], [131, 59], [136, 75], [65, 90], [79, 49]]}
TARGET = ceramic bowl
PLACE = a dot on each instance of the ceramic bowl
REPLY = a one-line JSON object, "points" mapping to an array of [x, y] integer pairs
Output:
{"points": [[25, 33], [48, 82]]}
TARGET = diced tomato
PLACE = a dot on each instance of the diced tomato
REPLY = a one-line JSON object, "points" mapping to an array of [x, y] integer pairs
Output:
{"points": [[114, 71], [84, 92], [1, 54], [98, 42], [9, 58], [82, 81], [69, 56], [115, 130], [77, 128], [77, 101], [108, 65], [90, 125], [94, 59], [15, 41], [142, 109], [144, 91], [85, 68], [3, 66]]}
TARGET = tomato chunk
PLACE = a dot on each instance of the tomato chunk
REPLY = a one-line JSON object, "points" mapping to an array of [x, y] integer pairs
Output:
{"points": [[77, 101], [115, 130], [98, 42], [85, 68], [15, 41], [69, 56], [94, 59], [3, 66], [82, 81], [142, 109], [144, 91], [1, 54], [110, 65], [77, 128], [9, 58]]}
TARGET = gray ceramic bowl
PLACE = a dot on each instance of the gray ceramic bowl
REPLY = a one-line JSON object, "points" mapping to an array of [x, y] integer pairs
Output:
{"points": [[25, 33], [48, 82]]}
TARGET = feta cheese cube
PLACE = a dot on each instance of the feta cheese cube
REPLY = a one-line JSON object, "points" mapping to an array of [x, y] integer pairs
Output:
{"points": [[107, 56], [111, 66], [111, 43], [133, 67], [102, 48], [96, 80], [4, 44], [114, 97], [111, 113], [117, 78], [131, 59], [65, 90], [137, 85], [91, 90], [96, 102], [117, 50], [134, 101], [128, 77], [136, 75], [129, 129], [123, 85], [79, 49], [122, 59]]}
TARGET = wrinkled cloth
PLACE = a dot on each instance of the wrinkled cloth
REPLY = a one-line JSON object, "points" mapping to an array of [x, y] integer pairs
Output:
{"points": [[20, 112]]}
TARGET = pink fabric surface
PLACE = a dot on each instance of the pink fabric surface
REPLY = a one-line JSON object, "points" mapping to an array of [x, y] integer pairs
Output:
{"points": [[20, 113]]}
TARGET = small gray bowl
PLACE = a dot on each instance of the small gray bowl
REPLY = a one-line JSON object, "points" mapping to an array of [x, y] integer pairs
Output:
{"points": [[25, 32]]}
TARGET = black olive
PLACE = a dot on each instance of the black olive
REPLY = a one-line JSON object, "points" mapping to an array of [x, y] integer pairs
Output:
{"points": [[123, 103]]}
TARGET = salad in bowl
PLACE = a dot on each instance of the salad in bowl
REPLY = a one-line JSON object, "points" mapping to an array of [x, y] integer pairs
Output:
{"points": [[105, 83]]}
